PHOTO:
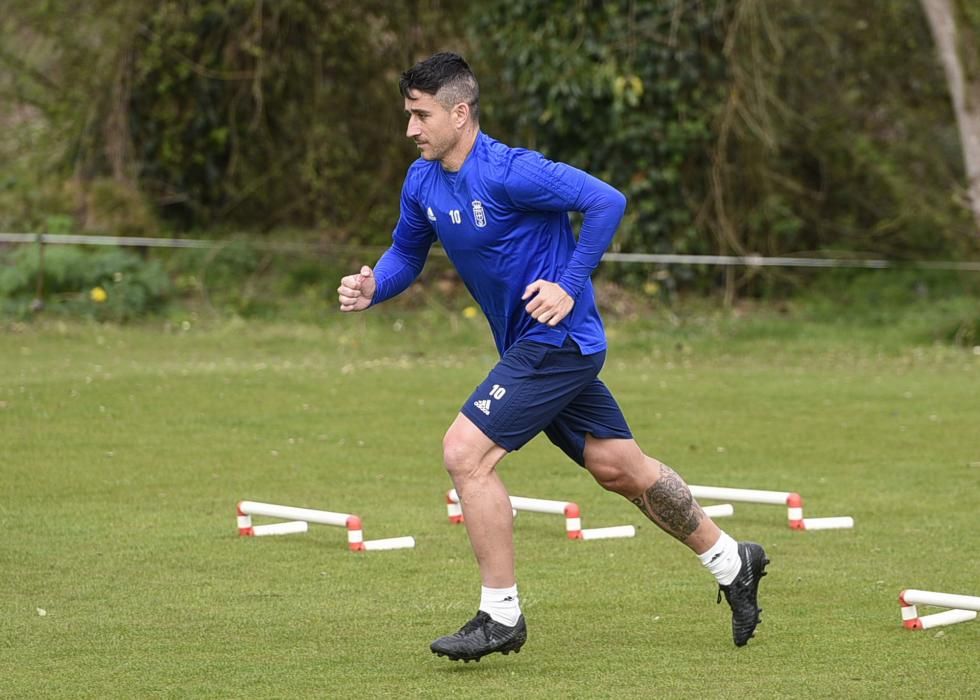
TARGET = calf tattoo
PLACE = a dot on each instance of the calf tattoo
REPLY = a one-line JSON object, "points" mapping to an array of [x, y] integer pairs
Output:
{"points": [[669, 503]]}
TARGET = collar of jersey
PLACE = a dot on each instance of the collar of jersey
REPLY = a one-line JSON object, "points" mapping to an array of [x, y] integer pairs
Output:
{"points": [[470, 157]]}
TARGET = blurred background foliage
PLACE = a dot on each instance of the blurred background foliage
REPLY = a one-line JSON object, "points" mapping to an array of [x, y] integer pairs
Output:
{"points": [[733, 126]]}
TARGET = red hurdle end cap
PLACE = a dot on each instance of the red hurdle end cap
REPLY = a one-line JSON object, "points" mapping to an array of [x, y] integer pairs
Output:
{"points": [[354, 523], [794, 500], [572, 511]]}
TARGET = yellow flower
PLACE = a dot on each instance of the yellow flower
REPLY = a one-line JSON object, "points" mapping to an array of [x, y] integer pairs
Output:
{"points": [[469, 312], [98, 295]]}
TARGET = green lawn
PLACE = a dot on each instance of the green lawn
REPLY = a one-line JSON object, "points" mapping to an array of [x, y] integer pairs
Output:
{"points": [[125, 450]]}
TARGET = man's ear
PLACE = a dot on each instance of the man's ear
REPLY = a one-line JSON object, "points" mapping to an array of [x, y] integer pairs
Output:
{"points": [[461, 113]]}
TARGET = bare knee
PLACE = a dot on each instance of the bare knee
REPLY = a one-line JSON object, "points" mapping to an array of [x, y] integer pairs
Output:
{"points": [[457, 457], [467, 453], [613, 479], [619, 466]]}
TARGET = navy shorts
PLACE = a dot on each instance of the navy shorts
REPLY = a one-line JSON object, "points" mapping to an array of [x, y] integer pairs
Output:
{"points": [[539, 387]]}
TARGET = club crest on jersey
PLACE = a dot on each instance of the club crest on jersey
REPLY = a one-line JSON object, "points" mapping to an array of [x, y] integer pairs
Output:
{"points": [[478, 214], [430, 214]]}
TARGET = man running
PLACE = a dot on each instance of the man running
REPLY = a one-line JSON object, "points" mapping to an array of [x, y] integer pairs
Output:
{"points": [[501, 214]]}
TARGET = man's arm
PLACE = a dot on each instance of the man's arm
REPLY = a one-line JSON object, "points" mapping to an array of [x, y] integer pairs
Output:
{"points": [[602, 207], [398, 266], [539, 184]]}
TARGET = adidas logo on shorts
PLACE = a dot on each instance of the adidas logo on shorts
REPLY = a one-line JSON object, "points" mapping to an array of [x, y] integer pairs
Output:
{"points": [[483, 405]]}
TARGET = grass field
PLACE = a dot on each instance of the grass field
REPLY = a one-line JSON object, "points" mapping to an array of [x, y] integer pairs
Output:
{"points": [[126, 449]]}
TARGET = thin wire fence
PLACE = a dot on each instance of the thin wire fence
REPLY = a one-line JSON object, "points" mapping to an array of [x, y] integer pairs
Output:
{"points": [[640, 258]]}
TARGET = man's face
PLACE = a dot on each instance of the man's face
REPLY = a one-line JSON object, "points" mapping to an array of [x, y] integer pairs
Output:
{"points": [[430, 125]]}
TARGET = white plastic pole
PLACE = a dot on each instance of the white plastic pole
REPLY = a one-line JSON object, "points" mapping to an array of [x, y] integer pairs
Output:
{"points": [[538, 505], [286, 528], [722, 510], [389, 543], [948, 617], [535, 505], [837, 523], [944, 600], [271, 510], [718, 493], [605, 533]]}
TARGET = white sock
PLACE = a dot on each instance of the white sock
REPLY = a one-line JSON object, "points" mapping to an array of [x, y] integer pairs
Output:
{"points": [[501, 604], [722, 559]]}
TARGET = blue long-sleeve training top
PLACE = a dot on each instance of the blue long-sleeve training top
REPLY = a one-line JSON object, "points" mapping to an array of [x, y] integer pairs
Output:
{"points": [[503, 221]]}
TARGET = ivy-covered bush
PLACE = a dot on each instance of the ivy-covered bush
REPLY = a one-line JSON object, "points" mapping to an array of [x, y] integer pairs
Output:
{"points": [[733, 126]]}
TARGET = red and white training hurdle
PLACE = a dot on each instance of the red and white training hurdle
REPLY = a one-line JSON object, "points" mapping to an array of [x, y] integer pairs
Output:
{"points": [[298, 519], [571, 511], [790, 499], [962, 608]]}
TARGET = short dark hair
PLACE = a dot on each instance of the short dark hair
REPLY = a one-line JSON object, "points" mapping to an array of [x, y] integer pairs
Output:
{"points": [[445, 76]]}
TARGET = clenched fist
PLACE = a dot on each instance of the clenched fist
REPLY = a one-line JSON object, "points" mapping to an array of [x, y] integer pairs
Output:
{"points": [[356, 291]]}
